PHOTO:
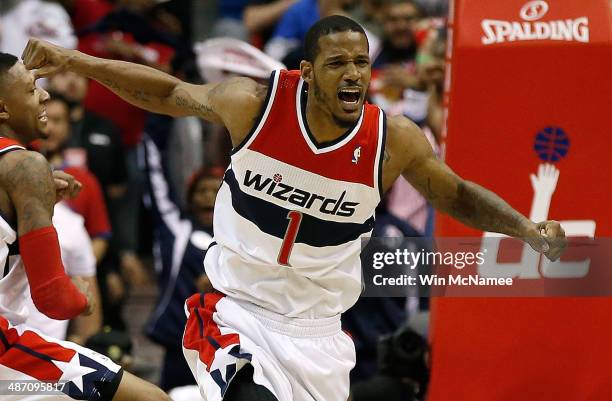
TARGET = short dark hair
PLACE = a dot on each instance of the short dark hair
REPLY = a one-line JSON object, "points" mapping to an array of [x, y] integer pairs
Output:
{"points": [[326, 26], [7, 61]]}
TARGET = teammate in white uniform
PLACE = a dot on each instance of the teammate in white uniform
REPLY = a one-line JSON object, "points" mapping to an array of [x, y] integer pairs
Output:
{"points": [[34, 366], [309, 165]]}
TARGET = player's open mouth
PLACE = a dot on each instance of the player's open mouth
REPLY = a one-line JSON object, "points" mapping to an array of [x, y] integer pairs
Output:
{"points": [[42, 117], [350, 98]]}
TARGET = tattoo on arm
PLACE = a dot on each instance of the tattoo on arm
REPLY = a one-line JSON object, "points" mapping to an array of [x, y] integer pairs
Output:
{"points": [[113, 85], [135, 94], [484, 210], [140, 95], [28, 180], [193, 107], [386, 156]]}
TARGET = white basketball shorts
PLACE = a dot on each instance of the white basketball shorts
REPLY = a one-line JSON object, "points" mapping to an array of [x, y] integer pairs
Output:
{"points": [[296, 359]]}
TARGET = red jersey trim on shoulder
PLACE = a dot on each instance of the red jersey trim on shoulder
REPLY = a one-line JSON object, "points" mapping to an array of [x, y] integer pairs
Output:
{"points": [[261, 120], [346, 138], [9, 145]]}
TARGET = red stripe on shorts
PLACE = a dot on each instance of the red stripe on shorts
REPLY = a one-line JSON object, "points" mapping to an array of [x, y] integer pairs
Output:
{"points": [[30, 354], [202, 334]]}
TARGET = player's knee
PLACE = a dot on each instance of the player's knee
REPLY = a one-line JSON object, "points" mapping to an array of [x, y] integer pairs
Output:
{"points": [[153, 393], [133, 388], [159, 395]]}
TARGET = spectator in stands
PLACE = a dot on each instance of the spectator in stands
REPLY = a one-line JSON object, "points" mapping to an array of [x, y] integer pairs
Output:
{"points": [[261, 16], [95, 144], [79, 261], [430, 70], [370, 14], [286, 43], [127, 33], [437, 8], [95, 141], [394, 70], [35, 18], [181, 241], [85, 13], [89, 204], [229, 21], [397, 88]]}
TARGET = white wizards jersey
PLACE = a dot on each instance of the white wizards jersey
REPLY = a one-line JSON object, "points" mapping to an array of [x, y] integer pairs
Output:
{"points": [[291, 213]]}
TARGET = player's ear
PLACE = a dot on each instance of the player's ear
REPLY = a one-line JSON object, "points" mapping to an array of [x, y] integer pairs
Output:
{"points": [[4, 114], [306, 71]]}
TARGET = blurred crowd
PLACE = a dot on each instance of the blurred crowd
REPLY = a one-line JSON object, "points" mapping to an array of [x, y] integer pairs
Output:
{"points": [[150, 181]]}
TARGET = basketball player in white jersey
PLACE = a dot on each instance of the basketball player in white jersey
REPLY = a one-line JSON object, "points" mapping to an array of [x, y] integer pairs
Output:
{"points": [[34, 366], [310, 163]]}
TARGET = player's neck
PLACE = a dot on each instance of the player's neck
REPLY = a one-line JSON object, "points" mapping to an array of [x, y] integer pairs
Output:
{"points": [[8, 132], [321, 123]]}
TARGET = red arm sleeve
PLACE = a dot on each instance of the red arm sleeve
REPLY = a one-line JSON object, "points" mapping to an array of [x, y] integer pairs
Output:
{"points": [[53, 292]]}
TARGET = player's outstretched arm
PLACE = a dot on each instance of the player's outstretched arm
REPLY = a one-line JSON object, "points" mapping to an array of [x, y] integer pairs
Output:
{"points": [[464, 200], [151, 89], [27, 178]]}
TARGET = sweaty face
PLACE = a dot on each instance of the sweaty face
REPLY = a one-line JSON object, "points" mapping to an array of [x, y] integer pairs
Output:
{"points": [[24, 104], [341, 75], [58, 126], [70, 85], [400, 25]]}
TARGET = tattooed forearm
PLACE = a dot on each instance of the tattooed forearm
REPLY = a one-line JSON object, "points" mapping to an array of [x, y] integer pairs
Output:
{"points": [[140, 95], [193, 107], [134, 95], [112, 85], [483, 209]]}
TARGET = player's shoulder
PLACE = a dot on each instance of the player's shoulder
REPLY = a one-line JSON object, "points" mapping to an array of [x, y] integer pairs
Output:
{"points": [[20, 167], [404, 135], [241, 89], [24, 159], [238, 101]]}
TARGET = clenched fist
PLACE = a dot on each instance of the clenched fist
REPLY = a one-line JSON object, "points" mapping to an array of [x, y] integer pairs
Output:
{"points": [[46, 58], [66, 186], [83, 287], [548, 238]]}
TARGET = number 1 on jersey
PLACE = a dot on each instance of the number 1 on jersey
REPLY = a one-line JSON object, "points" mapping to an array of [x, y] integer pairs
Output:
{"points": [[295, 218]]}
